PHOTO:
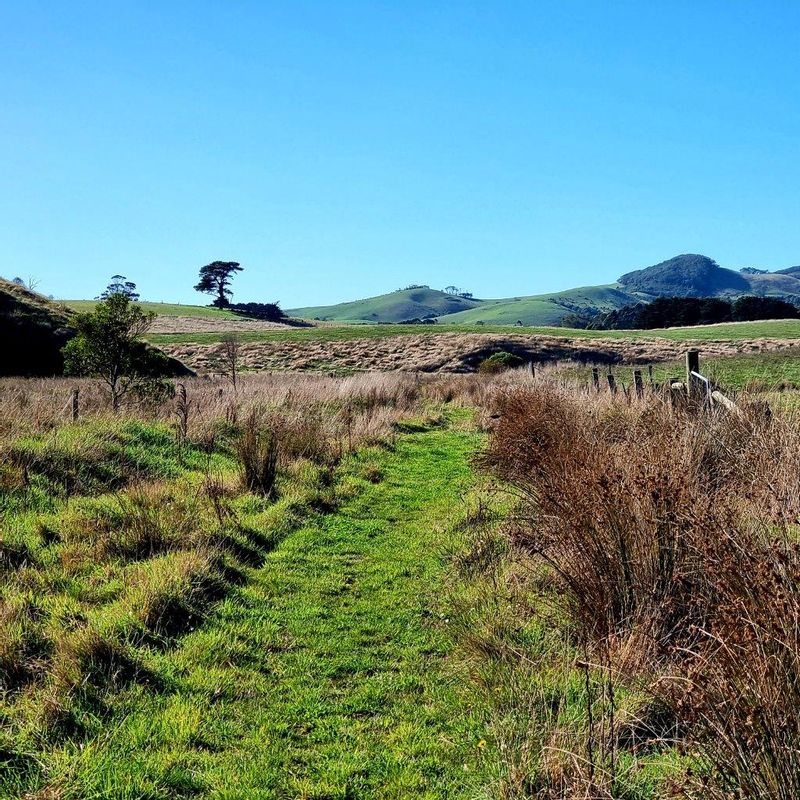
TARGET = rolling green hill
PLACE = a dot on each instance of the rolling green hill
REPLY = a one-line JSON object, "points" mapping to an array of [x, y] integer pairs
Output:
{"points": [[688, 275], [422, 303], [543, 309], [692, 275]]}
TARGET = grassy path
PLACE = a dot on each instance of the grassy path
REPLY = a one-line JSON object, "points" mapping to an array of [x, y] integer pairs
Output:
{"points": [[327, 674]]}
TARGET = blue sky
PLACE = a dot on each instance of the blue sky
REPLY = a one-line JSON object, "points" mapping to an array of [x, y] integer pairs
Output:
{"points": [[343, 149]]}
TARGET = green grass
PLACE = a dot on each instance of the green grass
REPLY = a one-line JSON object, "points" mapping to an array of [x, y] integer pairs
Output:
{"points": [[543, 309], [165, 309], [330, 333], [771, 371], [726, 331], [376, 647], [392, 307], [111, 549], [731, 331], [326, 675]]}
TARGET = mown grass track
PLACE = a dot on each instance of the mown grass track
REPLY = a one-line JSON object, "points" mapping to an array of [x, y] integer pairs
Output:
{"points": [[328, 674]]}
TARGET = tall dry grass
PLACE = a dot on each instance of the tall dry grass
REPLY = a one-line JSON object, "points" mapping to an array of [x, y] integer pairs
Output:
{"points": [[672, 536], [314, 414]]}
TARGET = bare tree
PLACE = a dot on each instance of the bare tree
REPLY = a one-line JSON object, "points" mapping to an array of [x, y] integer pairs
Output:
{"points": [[228, 357]]}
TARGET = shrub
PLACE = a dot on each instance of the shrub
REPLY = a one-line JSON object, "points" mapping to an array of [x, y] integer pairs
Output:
{"points": [[271, 312], [500, 362]]}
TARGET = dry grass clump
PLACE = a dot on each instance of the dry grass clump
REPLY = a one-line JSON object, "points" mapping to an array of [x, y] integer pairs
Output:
{"points": [[739, 688], [672, 539], [150, 519], [22, 645], [257, 449]]}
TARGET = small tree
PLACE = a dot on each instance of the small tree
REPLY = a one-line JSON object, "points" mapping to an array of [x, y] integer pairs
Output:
{"points": [[215, 278], [30, 284], [120, 285], [228, 358], [108, 346]]}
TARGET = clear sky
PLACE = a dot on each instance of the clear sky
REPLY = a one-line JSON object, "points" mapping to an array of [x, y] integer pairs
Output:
{"points": [[343, 149]]}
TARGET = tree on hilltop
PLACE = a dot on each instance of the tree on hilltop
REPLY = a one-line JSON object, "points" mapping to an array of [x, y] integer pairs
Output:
{"points": [[120, 285], [215, 278]]}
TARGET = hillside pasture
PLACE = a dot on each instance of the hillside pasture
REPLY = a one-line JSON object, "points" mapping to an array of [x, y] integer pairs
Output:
{"points": [[161, 309], [397, 306], [772, 372], [544, 309]]}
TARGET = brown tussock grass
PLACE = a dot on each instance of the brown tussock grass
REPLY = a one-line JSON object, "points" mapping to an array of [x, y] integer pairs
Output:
{"points": [[672, 536]]}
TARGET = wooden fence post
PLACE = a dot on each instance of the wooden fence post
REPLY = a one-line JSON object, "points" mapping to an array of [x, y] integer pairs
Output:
{"points": [[650, 373], [596, 379], [638, 383], [692, 365], [612, 384], [75, 404]]}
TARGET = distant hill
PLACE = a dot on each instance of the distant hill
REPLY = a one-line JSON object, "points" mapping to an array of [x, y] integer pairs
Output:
{"points": [[544, 309], [422, 303], [687, 275]]}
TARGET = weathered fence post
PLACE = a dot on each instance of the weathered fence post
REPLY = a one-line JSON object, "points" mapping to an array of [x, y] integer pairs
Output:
{"points": [[638, 382], [596, 379], [612, 384], [650, 373], [75, 404], [182, 411], [692, 365]]}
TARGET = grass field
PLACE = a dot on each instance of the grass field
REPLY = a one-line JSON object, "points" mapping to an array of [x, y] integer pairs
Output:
{"points": [[756, 372], [171, 630], [166, 309], [732, 331], [544, 309]]}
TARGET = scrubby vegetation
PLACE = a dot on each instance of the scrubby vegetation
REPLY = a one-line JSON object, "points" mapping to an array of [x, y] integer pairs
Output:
{"points": [[648, 641], [499, 362]]}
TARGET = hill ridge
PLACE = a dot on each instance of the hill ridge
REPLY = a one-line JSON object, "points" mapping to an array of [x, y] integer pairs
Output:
{"points": [[684, 275]]}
